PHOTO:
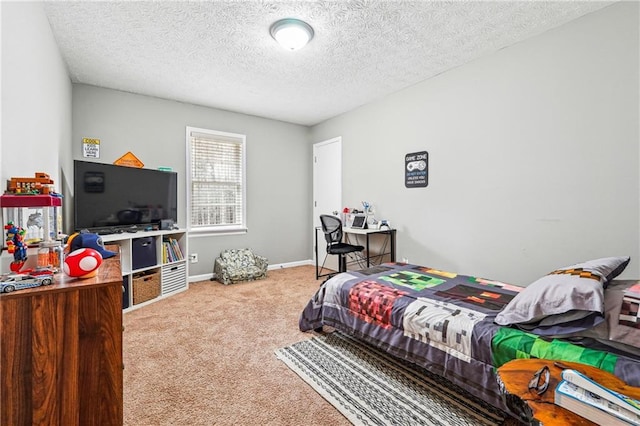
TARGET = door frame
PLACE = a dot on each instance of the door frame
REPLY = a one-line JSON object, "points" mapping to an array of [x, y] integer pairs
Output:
{"points": [[316, 187]]}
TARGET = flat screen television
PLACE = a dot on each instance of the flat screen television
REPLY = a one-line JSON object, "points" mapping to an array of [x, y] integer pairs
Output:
{"points": [[110, 198]]}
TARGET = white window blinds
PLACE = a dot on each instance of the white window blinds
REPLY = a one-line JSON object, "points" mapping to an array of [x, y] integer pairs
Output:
{"points": [[217, 190]]}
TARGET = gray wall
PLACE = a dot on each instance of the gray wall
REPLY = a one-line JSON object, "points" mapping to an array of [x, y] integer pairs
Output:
{"points": [[534, 149], [36, 97], [278, 165], [534, 154]]}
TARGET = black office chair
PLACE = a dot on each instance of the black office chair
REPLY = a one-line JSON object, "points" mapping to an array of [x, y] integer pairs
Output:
{"points": [[332, 228]]}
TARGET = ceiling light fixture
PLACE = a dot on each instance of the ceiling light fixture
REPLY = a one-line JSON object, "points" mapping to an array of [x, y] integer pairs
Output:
{"points": [[292, 34]]}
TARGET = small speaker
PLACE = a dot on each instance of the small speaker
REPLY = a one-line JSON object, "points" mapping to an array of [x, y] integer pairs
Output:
{"points": [[166, 224]]}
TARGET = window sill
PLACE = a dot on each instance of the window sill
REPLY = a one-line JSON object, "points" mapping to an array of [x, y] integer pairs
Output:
{"points": [[217, 231]]}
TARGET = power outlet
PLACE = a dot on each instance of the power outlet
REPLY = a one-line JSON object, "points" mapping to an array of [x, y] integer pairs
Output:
{"points": [[193, 257], [405, 260]]}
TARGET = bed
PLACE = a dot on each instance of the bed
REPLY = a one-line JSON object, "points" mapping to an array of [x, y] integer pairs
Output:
{"points": [[464, 327]]}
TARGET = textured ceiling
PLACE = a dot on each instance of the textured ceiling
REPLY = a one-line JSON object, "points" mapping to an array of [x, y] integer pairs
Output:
{"points": [[220, 54]]}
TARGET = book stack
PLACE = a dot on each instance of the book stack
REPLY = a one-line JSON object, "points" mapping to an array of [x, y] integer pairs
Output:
{"points": [[589, 399], [171, 251]]}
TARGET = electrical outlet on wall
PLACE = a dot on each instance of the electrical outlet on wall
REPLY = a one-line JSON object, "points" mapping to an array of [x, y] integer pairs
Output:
{"points": [[193, 257], [405, 260]]}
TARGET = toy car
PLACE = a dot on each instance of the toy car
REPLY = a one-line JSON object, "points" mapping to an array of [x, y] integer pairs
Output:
{"points": [[11, 282]]}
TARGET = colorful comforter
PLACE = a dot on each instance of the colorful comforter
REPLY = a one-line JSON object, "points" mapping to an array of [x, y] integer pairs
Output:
{"points": [[442, 321]]}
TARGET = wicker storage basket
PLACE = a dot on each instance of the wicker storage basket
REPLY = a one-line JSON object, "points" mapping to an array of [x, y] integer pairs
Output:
{"points": [[146, 286]]}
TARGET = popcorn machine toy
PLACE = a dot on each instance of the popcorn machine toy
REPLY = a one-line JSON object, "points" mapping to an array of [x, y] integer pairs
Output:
{"points": [[29, 220]]}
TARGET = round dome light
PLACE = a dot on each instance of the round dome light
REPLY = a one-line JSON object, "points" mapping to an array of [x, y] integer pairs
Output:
{"points": [[292, 34]]}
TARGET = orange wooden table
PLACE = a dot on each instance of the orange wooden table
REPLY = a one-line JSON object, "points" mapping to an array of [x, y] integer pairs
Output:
{"points": [[535, 409]]}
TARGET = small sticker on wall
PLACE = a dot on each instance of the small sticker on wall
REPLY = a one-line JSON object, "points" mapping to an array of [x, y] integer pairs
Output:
{"points": [[416, 169], [90, 148]]}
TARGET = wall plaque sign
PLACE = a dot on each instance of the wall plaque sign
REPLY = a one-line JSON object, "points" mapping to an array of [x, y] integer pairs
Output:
{"points": [[90, 148], [416, 169], [129, 160]]}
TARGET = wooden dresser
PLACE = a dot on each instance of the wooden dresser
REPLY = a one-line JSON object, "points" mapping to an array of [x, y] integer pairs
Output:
{"points": [[61, 351]]}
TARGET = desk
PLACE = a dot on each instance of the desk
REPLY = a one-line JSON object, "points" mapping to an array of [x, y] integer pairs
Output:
{"points": [[364, 259]]}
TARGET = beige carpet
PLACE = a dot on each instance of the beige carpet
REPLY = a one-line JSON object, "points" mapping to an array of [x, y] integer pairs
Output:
{"points": [[206, 356]]}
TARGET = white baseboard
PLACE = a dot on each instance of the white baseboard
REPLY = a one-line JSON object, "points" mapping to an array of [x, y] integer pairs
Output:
{"points": [[290, 264], [196, 278], [205, 277]]}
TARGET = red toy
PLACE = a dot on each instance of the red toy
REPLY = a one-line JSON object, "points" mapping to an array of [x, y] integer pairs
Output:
{"points": [[82, 263]]}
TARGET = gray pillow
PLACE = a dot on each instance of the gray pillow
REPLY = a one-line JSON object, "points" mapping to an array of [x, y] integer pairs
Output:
{"points": [[615, 332], [572, 296], [622, 300]]}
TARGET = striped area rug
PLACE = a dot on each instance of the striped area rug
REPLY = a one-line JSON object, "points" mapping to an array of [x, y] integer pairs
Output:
{"points": [[371, 388]]}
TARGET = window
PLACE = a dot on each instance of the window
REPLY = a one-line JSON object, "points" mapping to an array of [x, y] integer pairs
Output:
{"points": [[216, 166]]}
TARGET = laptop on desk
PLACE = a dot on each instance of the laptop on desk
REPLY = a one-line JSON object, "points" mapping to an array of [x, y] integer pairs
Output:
{"points": [[359, 221]]}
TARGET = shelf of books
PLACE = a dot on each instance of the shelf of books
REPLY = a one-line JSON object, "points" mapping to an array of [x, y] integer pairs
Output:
{"points": [[153, 264], [171, 251]]}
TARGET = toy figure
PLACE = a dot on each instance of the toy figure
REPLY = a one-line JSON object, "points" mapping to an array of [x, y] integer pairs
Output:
{"points": [[16, 245]]}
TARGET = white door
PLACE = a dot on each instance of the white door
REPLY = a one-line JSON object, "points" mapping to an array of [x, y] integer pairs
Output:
{"points": [[327, 189]]}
